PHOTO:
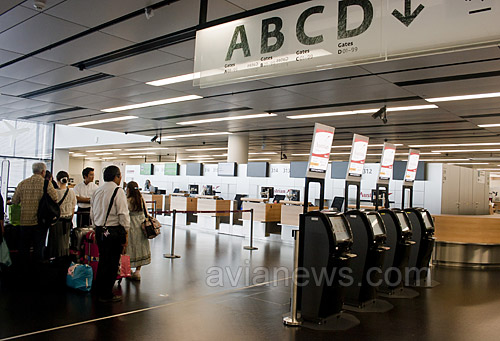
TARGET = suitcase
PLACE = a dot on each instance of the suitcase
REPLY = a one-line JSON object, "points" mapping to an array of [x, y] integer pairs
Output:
{"points": [[90, 251], [75, 242]]}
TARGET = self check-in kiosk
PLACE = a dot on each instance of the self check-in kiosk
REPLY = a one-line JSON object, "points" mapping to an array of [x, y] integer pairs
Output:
{"points": [[325, 248], [399, 234]]}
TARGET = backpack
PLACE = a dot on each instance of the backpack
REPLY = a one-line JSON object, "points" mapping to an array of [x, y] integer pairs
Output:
{"points": [[48, 210]]}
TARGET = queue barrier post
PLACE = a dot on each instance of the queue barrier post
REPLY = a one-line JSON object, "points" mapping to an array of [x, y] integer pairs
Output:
{"points": [[172, 245], [292, 320], [251, 247]]}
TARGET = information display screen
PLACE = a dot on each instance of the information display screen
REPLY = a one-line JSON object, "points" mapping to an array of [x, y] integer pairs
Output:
{"points": [[358, 155], [387, 161], [377, 229], [412, 165], [403, 222], [320, 150], [427, 220], [340, 229]]}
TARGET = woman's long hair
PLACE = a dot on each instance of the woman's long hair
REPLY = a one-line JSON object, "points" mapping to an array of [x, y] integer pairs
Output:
{"points": [[134, 196]]}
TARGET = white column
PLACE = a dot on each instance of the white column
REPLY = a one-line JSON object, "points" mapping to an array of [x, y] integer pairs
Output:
{"points": [[237, 148], [61, 161]]}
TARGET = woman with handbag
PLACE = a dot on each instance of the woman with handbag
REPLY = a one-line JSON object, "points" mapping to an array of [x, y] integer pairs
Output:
{"points": [[58, 242], [138, 245]]}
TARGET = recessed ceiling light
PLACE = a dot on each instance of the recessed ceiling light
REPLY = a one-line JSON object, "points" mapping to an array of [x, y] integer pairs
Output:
{"points": [[147, 153], [202, 149], [104, 154], [176, 79], [489, 125], [106, 120], [71, 152], [229, 118], [148, 148], [153, 103], [103, 150], [465, 150], [464, 97], [455, 145], [364, 111], [198, 134]]}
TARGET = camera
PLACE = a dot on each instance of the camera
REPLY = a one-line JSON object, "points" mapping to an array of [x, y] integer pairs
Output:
{"points": [[39, 4]]}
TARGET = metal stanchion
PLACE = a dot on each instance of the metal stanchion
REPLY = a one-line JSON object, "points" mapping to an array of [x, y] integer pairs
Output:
{"points": [[172, 255], [292, 320], [251, 247]]}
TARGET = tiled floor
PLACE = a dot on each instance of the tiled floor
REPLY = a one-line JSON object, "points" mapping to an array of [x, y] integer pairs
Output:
{"points": [[175, 301]]}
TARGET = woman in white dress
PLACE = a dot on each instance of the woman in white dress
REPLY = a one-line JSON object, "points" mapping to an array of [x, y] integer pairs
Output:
{"points": [[58, 242], [138, 245]]}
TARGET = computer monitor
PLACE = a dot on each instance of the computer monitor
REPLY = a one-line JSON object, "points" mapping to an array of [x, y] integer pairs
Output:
{"points": [[193, 189], [209, 190], [176, 190], [337, 203], [278, 198], [267, 192]]}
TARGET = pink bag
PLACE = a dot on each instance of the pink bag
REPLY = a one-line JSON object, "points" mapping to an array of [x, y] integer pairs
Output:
{"points": [[125, 270]]}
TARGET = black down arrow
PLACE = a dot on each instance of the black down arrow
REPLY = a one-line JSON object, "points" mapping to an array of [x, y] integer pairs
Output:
{"points": [[408, 18]]}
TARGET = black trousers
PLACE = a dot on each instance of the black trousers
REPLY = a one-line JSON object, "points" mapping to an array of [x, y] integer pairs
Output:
{"points": [[32, 236], [83, 217], [110, 243]]}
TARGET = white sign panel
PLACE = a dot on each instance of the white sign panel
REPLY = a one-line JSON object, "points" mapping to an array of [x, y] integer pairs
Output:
{"points": [[358, 155], [387, 161], [481, 177], [320, 151], [412, 165], [328, 34]]}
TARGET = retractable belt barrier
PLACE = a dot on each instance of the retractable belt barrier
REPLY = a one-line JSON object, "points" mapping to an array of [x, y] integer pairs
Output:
{"points": [[172, 255]]}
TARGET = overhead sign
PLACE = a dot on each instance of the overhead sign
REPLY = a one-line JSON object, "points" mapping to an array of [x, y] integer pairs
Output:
{"points": [[328, 34], [412, 165], [320, 151], [387, 161], [358, 155]]}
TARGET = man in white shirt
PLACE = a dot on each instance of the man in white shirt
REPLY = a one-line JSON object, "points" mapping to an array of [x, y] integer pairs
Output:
{"points": [[109, 212], [83, 193]]}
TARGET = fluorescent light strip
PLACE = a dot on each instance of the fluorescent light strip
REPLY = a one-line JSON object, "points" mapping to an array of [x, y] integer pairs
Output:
{"points": [[78, 155], [365, 111], [103, 150], [259, 159], [263, 153], [455, 145], [147, 153], [148, 148], [464, 97], [489, 125], [176, 79], [470, 163], [202, 149], [200, 156], [465, 150], [426, 153], [441, 160], [489, 169], [221, 155], [104, 154], [71, 152], [110, 158], [200, 134], [137, 157], [106, 120], [94, 158], [229, 118], [153, 103], [369, 146], [200, 159]]}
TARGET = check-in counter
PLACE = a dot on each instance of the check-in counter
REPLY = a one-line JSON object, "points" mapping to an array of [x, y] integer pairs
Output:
{"points": [[183, 202], [212, 203], [290, 218], [467, 240], [266, 217]]}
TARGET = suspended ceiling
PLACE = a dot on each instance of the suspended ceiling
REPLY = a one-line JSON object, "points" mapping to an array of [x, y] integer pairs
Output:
{"points": [[54, 68]]}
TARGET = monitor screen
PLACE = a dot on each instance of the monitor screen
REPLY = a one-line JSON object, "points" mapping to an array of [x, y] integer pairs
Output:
{"points": [[427, 220], [193, 189], [339, 228], [278, 198], [377, 229], [402, 220]]}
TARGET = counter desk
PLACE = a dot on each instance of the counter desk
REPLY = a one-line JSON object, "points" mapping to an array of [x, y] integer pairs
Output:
{"points": [[467, 240], [266, 217], [212, 221], [290, 218], [183, 202]]}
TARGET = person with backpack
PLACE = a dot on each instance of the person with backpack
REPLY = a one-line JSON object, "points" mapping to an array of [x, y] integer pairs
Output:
{"points": [[28, 194], [109, 212], [58, 242]]}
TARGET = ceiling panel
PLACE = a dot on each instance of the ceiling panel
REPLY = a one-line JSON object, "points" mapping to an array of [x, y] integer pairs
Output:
{"points": [[7, 56], [6, 81], [184, 50], [247, 5], [61, 75], [20, 87], [222, 8], [106, 85], [28, 68], [129, 91], [15, 15]]}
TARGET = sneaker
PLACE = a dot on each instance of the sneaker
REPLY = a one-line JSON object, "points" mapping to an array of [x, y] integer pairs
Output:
{"points": [[114, 298]]}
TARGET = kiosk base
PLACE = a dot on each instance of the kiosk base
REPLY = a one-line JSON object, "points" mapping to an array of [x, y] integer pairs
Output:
{"points": [[340, 321], [400, 293], [374, 306]]}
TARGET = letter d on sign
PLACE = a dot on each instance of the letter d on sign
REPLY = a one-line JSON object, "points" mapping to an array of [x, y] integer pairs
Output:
{"points": [[367, 7]]}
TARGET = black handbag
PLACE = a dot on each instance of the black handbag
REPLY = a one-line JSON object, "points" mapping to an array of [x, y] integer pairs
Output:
{"points": [[150, 226]]}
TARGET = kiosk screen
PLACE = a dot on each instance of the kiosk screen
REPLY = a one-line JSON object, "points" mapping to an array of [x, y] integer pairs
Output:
{"points": [[403, 222], [377, 229], [340, 229], [427, 220]]}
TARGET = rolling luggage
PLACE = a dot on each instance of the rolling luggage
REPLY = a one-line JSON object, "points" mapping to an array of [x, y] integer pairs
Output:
{"points": [[75, 242], [90, 251]]}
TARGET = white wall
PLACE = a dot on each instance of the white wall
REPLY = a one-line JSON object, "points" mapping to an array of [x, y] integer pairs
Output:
{"points": [[426, 193], [77, 137], [61, 161]]}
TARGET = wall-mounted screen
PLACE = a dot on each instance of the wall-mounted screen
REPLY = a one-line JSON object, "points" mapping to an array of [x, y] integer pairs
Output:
{"points": [[171, 168], [258, 169], [339, 169], [226, 169], [194, 169], [400, 168], [147, 169], [298, 169]]}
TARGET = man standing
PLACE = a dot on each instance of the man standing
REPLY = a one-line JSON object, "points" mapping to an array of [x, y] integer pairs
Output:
{"points": [[83, 193], [28, 193], [111, 217]]}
